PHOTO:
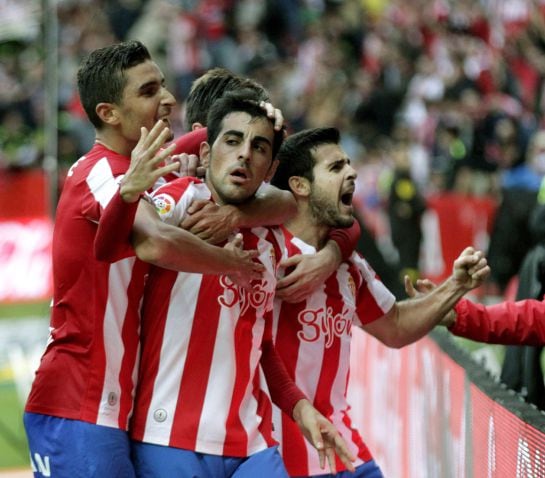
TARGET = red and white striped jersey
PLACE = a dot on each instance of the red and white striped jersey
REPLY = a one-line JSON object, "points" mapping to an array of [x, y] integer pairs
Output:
{"points": [[89, 367], [200, 381], [313, 338]]}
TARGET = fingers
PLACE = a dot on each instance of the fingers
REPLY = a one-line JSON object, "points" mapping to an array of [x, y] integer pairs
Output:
{"points": [[153, 140], [409, 288], [273, 113], [196, 212], [343, 453], [481, 274], [293, 293], [189, 164], [321, 458], [291, 261], [237, 241], [286, 281], [330, 454], [201, 172], [199, 204], [425, 285], [169, 168], [335, 444], [292, 276]]}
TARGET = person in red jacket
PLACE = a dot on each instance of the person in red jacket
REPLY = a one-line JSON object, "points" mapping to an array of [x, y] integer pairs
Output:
{"points": [[506, 323]]}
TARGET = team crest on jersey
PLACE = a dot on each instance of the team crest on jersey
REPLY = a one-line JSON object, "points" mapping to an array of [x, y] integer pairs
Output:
{"points": [[164, 205]]}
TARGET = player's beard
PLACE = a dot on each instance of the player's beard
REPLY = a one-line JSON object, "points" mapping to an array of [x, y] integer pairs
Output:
{"points": [[326, 212]]}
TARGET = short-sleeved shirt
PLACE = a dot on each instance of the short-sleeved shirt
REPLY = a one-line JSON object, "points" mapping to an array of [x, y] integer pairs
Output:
{"points": [[89, 367], [200, 381], [313, 338]]}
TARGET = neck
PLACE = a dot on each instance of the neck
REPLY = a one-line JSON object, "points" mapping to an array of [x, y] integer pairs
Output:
{"points": [[305, 227], [114, 143]]}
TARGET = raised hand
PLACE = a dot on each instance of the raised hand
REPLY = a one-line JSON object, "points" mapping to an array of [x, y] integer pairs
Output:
{"points": [[470, 269], [321, 433], [148, 162]]}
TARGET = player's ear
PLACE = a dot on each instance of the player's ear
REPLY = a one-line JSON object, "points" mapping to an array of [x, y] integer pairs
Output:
{"points": [[299, 185], [108, 113], [204, 154], [195, 126]]}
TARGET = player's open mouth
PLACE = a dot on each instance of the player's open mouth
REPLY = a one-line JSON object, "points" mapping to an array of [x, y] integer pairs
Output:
{"points": [[346, 198], [239, 175]]}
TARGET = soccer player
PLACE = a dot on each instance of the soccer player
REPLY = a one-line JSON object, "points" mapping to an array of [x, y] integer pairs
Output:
{"points": [[313, 336], [201, 408], [77, 412]]}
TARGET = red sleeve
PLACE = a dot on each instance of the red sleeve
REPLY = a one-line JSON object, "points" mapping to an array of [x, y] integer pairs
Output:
{"points": [[190, 143], [284, 393], [346, 238], [507, 323], [113, 238]]}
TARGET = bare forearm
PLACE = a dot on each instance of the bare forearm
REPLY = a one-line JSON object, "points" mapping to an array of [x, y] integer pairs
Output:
{"points": [[173, 248], [416, 317]]}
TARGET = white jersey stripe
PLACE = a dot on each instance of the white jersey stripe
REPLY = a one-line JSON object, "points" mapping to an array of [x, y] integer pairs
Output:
{"points": [[114, 316], [161, 412], [102, 183], [214, 412]]}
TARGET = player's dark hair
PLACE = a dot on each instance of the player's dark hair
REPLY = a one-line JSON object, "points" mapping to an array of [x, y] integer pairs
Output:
{"points": [[243, 101], [101, 75], [211, 86], [296, 154]]}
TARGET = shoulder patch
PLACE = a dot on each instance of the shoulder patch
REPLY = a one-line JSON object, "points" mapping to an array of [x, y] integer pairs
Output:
{"points": [[164, 205]]}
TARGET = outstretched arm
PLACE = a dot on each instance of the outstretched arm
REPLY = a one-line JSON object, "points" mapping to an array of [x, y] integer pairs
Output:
{"points": [[411, 319], [173, 248], [507, 323]]}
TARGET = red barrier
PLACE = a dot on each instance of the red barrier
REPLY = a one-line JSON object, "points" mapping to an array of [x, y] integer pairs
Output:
{"points": [[23, 194], [422, 417], [25, 237], [25, 259]]}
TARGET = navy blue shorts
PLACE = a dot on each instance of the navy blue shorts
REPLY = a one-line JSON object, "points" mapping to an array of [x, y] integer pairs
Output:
{"points": [[156, 461], [368, 470], [63, 448]]}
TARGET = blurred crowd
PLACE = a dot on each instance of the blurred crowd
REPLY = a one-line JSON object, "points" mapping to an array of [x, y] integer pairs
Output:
{"points": [[430, 95]]}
